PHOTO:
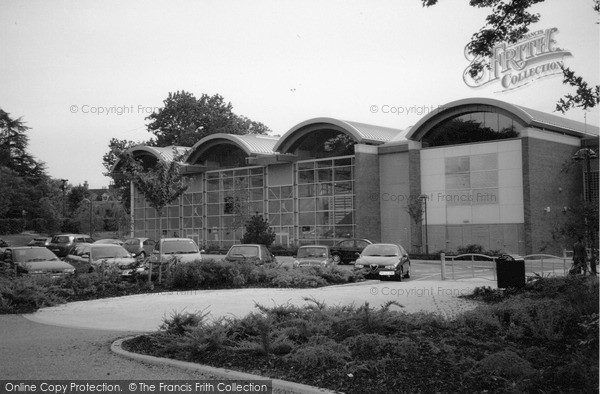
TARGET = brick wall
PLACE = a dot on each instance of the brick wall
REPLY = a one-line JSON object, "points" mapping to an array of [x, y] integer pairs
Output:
{"points": [[551, 182], [366, 185]]}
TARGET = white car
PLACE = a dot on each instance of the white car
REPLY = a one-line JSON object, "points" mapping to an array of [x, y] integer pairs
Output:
{"points": [[184, 249]]}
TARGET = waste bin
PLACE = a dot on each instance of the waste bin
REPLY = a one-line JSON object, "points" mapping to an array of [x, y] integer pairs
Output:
{"points": [[510, 271]]}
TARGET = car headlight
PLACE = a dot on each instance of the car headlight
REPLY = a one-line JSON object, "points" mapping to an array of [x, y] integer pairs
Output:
{"points": [[358, 265], [390, 267], [296, 264], [35, 272], [69, 270]]}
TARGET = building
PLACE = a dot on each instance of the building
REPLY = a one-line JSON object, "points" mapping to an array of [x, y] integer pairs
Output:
{"points": [[475, 171]]}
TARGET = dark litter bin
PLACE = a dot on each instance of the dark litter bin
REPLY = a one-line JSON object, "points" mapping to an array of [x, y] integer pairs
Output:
{"points": [[510, 271]]}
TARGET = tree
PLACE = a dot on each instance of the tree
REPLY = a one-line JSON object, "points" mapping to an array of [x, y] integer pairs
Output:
{"points": [[160, 185], [117, 151], [185, 120], [23, 178], [13, 148], [258, 231], [509, 21]]}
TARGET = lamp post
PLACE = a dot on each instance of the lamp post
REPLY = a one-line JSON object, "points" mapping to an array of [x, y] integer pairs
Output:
{"points": [[89, 202], [424, 197], [586, 155], [63, 187]]}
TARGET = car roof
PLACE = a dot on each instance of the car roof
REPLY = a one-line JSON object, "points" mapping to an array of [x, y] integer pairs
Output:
{"points": [[313, 246], [25, 247]]}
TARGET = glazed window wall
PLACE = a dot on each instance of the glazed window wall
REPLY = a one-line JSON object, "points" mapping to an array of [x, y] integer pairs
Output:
{"points": [[280, 200], [324, 198], [146, 218], [231, 197]]}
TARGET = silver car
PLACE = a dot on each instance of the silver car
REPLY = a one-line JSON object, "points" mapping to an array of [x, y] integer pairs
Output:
{"points": [[313, 256], [91, 257]]}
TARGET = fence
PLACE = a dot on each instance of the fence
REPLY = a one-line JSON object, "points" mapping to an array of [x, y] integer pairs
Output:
{"points": [[473, 265]]}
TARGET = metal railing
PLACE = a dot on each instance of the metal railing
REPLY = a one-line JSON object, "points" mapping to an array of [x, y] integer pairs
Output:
{"points": [[474, 265]]}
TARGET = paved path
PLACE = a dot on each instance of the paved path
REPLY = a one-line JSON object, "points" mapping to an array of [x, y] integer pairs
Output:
{"points": [[29, 350], [146, 312]]}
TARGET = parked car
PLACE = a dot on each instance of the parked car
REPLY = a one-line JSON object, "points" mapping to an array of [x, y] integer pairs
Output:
{"points": [[40, 241], [109, 241], [384, 261], [348, 250], [139, 247], [313, 256], [62, 243], [184, 249], [250, 252], [35, 260], [86, 257]]}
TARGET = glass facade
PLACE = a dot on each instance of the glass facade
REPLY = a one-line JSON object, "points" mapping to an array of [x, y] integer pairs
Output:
{"points": [[324, 196], [146, 218], [472, 127], [231, 197]]}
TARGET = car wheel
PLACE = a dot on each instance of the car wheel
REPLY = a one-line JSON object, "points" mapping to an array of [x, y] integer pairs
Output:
{"points": [[407, 273], [337, 259], [400, 274]]}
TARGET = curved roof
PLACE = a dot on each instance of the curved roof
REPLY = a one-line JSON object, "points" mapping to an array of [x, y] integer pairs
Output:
{"points": [[529, 117], [251, 144], [165, 154], [361, 132]]}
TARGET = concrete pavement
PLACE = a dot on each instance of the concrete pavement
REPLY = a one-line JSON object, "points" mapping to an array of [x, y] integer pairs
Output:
{"points": [[145, 313]]}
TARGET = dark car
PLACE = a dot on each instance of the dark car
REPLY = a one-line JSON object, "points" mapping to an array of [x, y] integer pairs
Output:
{"points": [[250, 252], [348, 250], [62, 243], [313, 256], [40, 241], [91, 257], [35, 260], [384, 261], [139, 247]]}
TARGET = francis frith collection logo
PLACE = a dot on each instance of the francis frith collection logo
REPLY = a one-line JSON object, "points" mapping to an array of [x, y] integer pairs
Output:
{"points": [[533, 57]]}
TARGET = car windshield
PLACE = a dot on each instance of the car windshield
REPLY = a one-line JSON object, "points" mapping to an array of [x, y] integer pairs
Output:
{"points": [[246, 251], [305, 252], [179, 246], [100, 251], [132, 242], [60, 239], [28, 255], [381, 250]]}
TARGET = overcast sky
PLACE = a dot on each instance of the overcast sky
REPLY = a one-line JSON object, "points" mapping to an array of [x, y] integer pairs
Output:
{"points": [[277, 62]]}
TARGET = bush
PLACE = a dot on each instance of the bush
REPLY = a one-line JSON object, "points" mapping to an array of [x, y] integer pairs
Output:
{"points": [[27, 294], [319, 353], [533, 340], [180, 323]]}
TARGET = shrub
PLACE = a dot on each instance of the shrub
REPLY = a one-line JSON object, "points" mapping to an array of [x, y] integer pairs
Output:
{"points": [[181, 322], [27, 294], [506, 364], [319, 353], [472, 248]]}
